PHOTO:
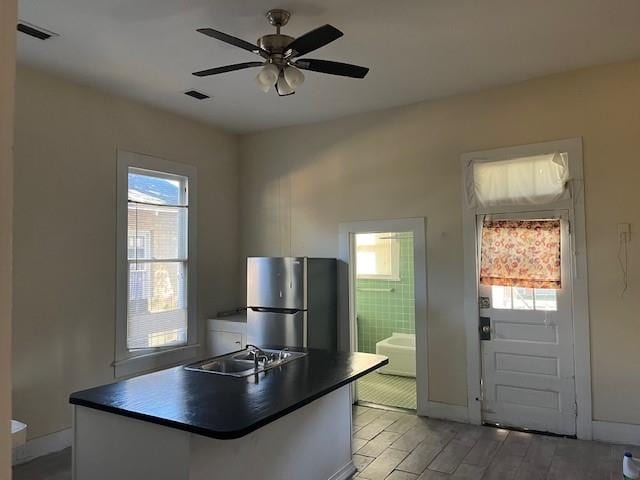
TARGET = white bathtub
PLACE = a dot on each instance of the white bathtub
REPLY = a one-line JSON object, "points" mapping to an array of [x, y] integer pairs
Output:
{"points": [[401, 350]]}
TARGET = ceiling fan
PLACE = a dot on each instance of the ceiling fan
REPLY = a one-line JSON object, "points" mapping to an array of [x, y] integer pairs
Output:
{"points": [[281, 65]]}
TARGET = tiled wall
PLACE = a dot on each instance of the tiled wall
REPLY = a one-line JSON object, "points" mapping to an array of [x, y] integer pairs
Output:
{"points": [[382, 313]]}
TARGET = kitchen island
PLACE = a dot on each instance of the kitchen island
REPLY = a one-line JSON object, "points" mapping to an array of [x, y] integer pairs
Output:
{"points": [[290, 422]]}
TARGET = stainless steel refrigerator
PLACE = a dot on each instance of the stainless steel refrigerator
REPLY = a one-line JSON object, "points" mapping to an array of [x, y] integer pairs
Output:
{"points": [[292, 301]]}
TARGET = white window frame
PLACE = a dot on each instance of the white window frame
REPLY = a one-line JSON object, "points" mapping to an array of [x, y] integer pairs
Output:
{"points": [[580, 305], [134, 362], [394, 247]]}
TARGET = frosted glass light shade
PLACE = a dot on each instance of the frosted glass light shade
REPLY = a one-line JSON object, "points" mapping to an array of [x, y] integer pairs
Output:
{"points": [[283, 86], [267, 77], [293, 76]]}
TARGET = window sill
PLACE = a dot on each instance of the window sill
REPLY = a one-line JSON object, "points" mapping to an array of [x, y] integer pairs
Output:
{"points": [[146, 362]]}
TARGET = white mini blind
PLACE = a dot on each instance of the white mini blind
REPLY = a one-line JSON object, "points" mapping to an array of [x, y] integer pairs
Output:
{"points": [[533, 180], [157, 255]]}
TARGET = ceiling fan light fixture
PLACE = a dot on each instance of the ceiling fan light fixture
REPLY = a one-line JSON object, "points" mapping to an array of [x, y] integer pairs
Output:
{"points": [[267, 77], [283, 86], [293, 76], [264, 87]]}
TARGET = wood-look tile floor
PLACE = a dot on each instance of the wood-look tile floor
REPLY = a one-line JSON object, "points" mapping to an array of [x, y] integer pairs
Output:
{"points": [[400, 446], [390, 445]]}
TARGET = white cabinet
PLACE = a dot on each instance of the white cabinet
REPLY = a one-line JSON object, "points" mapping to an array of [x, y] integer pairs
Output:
{"points": [[226, 335], [220, 342]]}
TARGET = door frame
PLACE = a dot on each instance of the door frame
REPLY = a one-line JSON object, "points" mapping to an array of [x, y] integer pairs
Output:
{"points": [[580, 301], [346, 297]]}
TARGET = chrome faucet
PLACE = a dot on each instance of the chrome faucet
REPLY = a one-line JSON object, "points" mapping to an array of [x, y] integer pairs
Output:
{"points": [[258, 354], [283, 353]]}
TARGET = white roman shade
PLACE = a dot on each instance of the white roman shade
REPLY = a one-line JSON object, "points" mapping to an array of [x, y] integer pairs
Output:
{"points": [[534, 180]]}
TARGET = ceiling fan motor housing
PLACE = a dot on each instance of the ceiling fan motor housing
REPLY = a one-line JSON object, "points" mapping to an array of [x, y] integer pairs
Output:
{"points": [[275, 43]]}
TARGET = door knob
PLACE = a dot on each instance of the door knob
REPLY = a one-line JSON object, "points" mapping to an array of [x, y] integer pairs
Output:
{"points": [[485, 328]]}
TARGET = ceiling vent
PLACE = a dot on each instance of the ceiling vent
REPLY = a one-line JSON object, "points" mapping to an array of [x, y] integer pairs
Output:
{"points": [[35, 31], [196, 94]]}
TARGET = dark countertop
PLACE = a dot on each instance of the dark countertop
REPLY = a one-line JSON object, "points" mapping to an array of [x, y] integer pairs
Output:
{"points": [[225, 407]]}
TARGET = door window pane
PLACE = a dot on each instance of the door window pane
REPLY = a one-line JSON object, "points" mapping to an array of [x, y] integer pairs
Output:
{"points": [[522, 298], [546, 299], [516, 298], [501, 297]]}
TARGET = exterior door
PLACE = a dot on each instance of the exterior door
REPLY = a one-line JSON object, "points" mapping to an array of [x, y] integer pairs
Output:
{"points": [[527, 356]]}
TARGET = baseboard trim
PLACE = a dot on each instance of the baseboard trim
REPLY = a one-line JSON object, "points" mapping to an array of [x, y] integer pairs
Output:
{"points": [[345, 473], [446, 411], [40, 446], [612, 432]]}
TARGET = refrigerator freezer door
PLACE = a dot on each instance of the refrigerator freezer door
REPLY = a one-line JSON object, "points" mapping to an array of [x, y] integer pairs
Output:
{"points": [[277, 282], [272, 328]]}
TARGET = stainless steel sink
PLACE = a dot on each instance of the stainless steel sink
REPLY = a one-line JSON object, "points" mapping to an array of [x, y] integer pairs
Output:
{"points": [[243, 363]]}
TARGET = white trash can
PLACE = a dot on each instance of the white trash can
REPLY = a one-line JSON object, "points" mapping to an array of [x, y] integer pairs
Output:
{"points": [[19, 438]]}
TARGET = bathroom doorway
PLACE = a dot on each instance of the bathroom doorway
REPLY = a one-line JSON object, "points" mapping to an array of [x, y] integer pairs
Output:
{"points": [[387, 308], [385, 316]]}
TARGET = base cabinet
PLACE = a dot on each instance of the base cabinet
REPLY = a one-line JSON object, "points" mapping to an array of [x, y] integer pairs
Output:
{"points": [[220, 342], [313, 443], [225, 336]]}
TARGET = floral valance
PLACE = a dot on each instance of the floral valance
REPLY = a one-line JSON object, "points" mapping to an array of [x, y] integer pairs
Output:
{"points": [[521, 253]]}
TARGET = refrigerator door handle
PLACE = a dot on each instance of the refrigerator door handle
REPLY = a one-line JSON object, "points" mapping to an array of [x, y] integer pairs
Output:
{"points": [[285, 311]]}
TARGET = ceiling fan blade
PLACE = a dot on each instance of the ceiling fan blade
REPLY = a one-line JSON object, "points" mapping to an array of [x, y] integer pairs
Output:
{"points": [[332, 68], [227, 68], [236, 42], [313, 40]]}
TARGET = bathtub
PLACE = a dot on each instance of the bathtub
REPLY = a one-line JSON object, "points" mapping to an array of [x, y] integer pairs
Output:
{"points": [[401, 350]]}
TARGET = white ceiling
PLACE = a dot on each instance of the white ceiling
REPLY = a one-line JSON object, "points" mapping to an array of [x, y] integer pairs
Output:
{"points": [[416, 49]]}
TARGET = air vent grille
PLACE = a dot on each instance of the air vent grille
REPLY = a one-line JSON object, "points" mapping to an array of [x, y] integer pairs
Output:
{"points": [[196, 94], [34, 31]]}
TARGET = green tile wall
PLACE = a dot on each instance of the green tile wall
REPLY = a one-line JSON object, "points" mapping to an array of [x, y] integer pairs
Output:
{"points": [[382, 313]]}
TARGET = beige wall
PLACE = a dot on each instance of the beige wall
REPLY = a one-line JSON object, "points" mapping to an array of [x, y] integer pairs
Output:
{"points": [[7, 84], [299, 183], [64, 256]]}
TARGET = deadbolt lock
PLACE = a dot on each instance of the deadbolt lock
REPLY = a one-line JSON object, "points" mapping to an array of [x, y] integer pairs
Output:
{"points": [[485, 328]]}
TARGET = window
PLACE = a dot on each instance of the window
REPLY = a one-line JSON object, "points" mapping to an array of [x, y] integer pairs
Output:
{"points": [[156, 284], [532, 180], [377, 256], [157, 233]]}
